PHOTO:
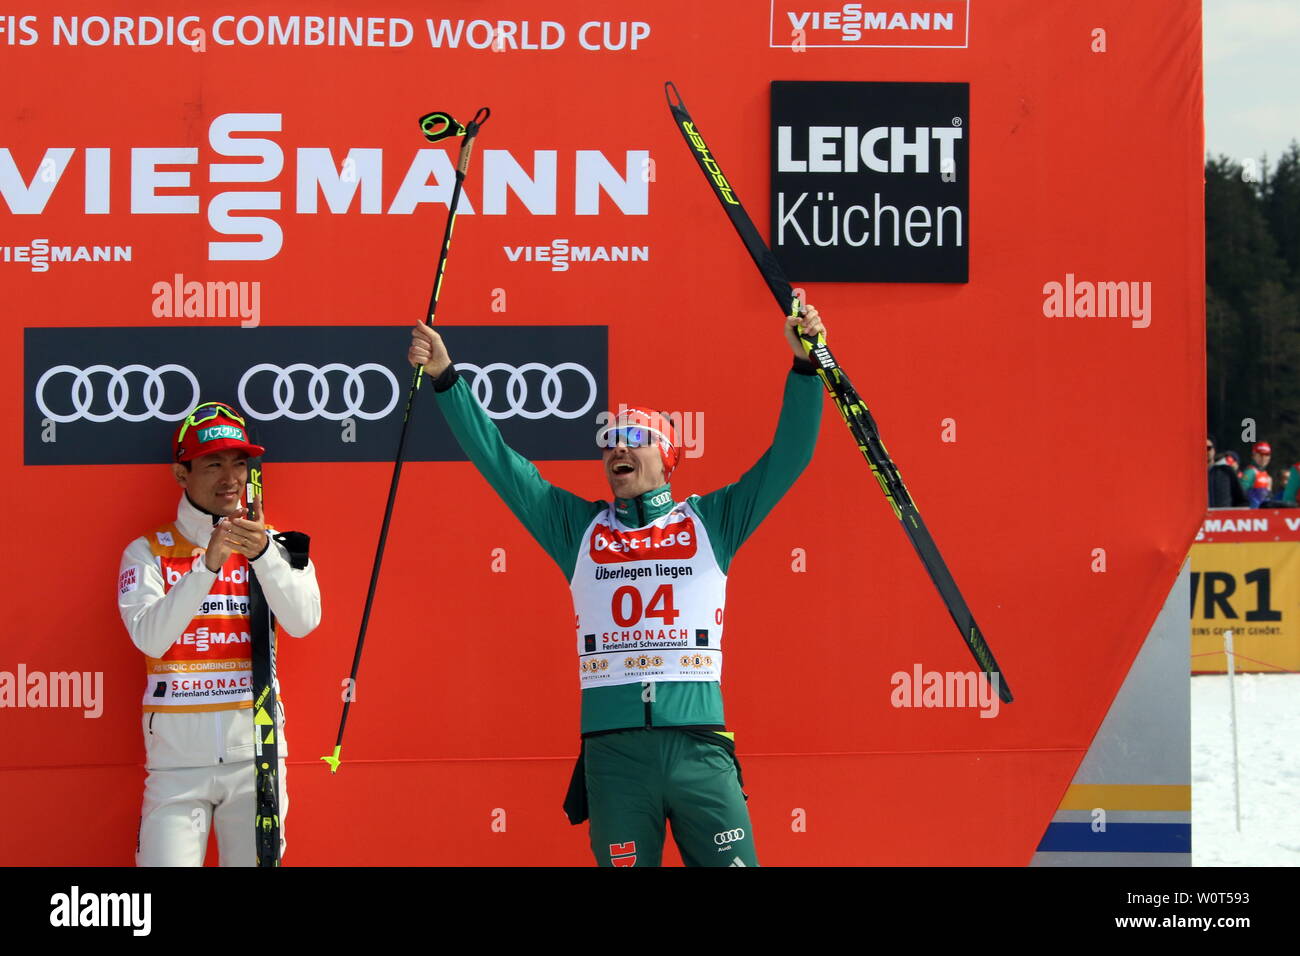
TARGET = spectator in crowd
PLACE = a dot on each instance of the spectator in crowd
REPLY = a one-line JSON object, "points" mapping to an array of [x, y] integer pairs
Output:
{"points": [[1225, 488], [1231, 458], [1290, 487], [1256, 481]]}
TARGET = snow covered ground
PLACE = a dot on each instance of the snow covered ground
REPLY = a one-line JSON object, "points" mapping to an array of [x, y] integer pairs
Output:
{"points": [[1268, 740]]}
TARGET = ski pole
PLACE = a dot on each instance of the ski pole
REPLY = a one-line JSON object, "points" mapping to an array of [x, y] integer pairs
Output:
{"points": [[1232, 719], [435, 126], [852, 408]]}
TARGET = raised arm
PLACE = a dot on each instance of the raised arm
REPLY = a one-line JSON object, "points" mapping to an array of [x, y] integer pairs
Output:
{"points": [[554, 517], [734, 511]]}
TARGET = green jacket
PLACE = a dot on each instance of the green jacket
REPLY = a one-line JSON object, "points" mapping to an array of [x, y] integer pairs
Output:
{"points": [[557, 519]]}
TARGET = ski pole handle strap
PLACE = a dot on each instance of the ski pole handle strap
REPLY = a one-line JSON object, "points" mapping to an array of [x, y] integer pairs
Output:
{"points": [[477, 122], [438, 126], [471, 131]]}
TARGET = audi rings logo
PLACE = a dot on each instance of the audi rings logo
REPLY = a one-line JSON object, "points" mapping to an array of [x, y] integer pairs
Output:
{"points": [[313, 384], [82, 392], [517, 392], [318, 392], [728, 836]]}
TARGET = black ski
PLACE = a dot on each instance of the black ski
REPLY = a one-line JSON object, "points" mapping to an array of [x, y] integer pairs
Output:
{"points": [[852, 408], [266, 741]]}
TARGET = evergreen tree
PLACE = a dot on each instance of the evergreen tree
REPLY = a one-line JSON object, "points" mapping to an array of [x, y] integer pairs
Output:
{"points": [[1240, 252], [1276, 367], [1252, 263], [1282, 209], [1223, 357]]}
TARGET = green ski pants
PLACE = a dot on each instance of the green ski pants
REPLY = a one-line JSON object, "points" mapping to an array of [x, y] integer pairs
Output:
{"points": [[639, 779]]}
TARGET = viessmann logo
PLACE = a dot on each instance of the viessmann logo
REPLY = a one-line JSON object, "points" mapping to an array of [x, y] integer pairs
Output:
{"points": [[39, 253], [675, 542], [1243, 529], [912, 23], [166, 180], [204, 639]]}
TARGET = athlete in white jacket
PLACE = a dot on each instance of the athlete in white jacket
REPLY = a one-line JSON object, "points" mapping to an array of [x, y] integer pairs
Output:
{"points": [[192, 624]]}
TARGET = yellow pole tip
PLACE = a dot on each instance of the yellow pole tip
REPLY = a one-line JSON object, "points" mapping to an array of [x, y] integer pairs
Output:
{"points": [[334, 760]]}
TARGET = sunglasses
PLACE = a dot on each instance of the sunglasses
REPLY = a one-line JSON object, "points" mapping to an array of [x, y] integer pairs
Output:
{"points": [[630, 436], [205, 413]]}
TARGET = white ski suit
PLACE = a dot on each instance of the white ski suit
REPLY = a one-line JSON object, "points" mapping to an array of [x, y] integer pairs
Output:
{"points": [[199, 753]]}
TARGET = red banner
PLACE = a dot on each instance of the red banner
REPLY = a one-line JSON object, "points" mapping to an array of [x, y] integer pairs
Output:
{"points": [[232, 174], [1240, 524]]}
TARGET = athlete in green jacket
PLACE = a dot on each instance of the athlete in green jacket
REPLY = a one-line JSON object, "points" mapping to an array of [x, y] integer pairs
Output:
{"points": [[648, 577]]}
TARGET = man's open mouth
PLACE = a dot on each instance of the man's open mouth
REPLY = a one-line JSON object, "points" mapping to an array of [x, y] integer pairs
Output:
{"points": [[623, 468]]}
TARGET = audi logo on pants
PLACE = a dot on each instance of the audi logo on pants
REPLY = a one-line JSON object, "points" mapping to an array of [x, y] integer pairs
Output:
{"points": [[728, 836], [325, 393]]}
